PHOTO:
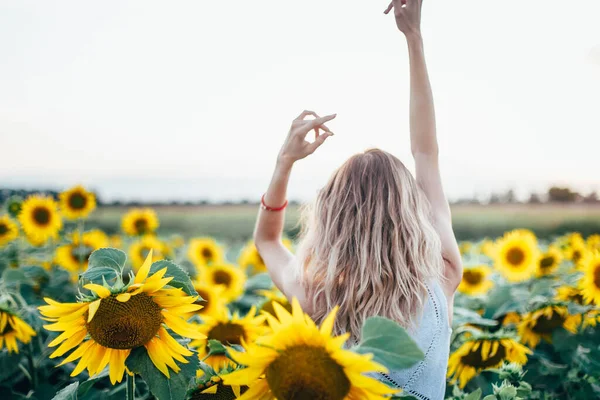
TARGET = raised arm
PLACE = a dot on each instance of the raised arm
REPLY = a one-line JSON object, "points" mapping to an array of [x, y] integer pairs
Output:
{"points": [[423, 136], [269, 225]]}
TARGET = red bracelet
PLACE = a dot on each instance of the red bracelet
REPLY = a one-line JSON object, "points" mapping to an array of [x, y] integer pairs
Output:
{"points": [[264, 206]]}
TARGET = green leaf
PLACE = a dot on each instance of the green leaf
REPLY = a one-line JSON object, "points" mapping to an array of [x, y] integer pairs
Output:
{"points": [[259, 282], [490, 397], [96, 274], [173, 388], [389, 343], [13, 276], [68, 393], [216, 347], [85, 386], [108, 257], [476, 395], [181, 279]]}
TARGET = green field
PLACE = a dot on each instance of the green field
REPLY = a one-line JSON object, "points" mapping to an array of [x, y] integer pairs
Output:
{"points": [[235, 223]]}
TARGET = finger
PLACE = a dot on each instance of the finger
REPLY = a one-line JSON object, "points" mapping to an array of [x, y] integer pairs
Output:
{"points": [[316, 133], [390, 7], [318, 142], [319, 121], [305, 114]]}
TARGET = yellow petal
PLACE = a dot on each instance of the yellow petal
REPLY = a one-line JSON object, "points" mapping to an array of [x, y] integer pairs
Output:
{"points": [[142, 273], [93, 308], [98, 289], [124, 297]]}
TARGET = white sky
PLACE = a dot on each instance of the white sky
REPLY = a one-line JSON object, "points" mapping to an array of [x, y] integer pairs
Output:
{"points": [[192, 99]]}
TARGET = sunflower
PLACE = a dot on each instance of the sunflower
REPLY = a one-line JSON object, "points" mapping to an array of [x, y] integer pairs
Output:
{"points": [[539, 324], [297, 360], [14, 205], [590, 281], [214, 389], [511, 318], [465, 247], [77, 202], [213, 303], [116, 241], [274, 296], [517, 255], [549, 261], [250, 257], [569, 293], [576, 248], [487, 248], [13, 328], [228, 331], [475, 280], [74, 256], [40, 219], [593, 242], [105, 328], [483, 352], [139, 250], [140, 221], [9, 231], [205, 251], [230, 277]]}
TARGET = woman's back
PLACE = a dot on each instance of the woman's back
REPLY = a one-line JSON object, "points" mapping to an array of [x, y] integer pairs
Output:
{"points": [[426, 380]]}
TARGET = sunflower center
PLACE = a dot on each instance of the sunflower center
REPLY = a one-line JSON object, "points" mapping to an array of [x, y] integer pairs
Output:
{"points": [[515, 256], [227, 333], [546, 262], [41, 215], [576, 255], [77, 201], [597, 276], [3, 228], [548, 325], [472, 277], [141, 225], [126, 325], [307, 373], [475, 359], [207, 253], [222, 278]]}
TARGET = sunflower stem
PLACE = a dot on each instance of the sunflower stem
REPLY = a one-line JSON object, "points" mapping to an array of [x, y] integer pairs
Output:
{"points": [[32, 369], [130, 387]]}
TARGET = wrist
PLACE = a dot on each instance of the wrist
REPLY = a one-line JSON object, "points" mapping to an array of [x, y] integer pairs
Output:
{"points": [[284, 163], [414, 37]]}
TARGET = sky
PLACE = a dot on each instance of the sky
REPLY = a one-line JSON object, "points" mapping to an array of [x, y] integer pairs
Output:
{"points": [[189, 100]]}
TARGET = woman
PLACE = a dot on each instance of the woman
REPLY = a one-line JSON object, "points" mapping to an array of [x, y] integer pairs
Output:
{"points": [[376, 240]]}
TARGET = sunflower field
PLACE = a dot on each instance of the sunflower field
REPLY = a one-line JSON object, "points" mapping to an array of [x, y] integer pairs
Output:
{"points": [[140, 316]]}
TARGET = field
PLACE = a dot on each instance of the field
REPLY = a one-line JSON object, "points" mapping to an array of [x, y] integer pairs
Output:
{"points": [[176, 303], [235, 223]]}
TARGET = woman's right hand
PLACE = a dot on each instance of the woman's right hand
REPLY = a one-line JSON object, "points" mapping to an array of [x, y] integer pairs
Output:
{"points": [[408, 15], [296, 147]]}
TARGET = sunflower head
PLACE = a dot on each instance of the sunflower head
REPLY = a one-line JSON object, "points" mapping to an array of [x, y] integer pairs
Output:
{"points": [[251, 260], [14, 205], [40, 219], [590, 281], [104, 326], [140, 221], [297, 360], [517, 255], [139, 250], [211, 387], [74, 256], [13, 330], [229, 330], [541, 323], [475, 280], [549, 261], [593, 242], [484, 351], [213, 303], [9, 231], [229, 277], [77, 202], [205, 251]]}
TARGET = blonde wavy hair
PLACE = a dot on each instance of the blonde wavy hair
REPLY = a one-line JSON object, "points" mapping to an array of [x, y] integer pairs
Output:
{"points": [[368, 244]]}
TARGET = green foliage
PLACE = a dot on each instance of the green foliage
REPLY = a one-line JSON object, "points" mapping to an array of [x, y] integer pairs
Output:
{"points": [[111, 258], [389, 343], [181, 279], [163, 388]]}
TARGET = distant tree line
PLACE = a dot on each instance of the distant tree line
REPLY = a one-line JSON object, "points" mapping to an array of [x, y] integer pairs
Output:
{"points": [[554, 194]]}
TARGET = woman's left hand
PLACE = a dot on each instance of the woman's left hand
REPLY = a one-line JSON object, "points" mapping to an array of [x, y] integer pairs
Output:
{"points": [[296, 147]]}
